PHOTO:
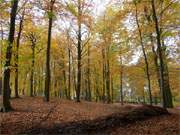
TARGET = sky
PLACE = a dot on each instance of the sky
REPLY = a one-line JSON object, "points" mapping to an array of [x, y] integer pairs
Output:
{"points": [[100, 6]]}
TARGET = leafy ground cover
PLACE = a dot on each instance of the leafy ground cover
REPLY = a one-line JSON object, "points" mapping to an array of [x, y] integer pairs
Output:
{"points": [[33, 116]]}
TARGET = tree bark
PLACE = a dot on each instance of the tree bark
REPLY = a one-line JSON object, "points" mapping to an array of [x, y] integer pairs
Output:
{"points": [[6, 76], [121, 81], [69, 76], [88, 76], [155, 57], [65, 88], [48, 72], [17, 56], [112, 88], [32, 70], [166, 97], [104, 75], [166, 79], [74, 78], [78, 90], [108, 77], [145, 56]]}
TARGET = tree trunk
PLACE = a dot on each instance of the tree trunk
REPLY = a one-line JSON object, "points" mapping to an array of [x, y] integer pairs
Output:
{"points": [[88, 76], [6, 76], [1, 51], [121, 81], [108, 78], [65, 88], [112, 89], [96, 86], [69, 76], [24, 83], [74, 80], [104, 75], [32, 71], [48, 72], [145, 57], [166, 78], [155, 57], [166, 97], [17, 56], [78, 91], [166, 72]]}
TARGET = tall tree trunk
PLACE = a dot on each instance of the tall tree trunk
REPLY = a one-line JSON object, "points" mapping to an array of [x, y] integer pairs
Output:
{"points": [[2, 40], [40, 81], [88, 76], [69, 75], [85, 85], [112, 88], [6, 76], [104, 75], [34, 85], [121, 81], [74, 79], [96, 86], [78, 91], [166, 72], [32, 70], [17, 56], [145, 56], [54, 77], [65, 88], [64, 77], [166, 98], [166, 78], [24, 82], [108, 77], [155, 57], [48, 72]]}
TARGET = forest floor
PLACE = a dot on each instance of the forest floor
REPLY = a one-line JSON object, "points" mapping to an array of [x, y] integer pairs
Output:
{"points": [[33, 116]]}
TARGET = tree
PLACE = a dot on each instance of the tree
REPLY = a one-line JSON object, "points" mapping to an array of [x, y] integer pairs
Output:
{"points": [[121, 80], [79, 51], [48, 74], [17, 54], [144, 53], [88, 75], [69, 66], [6, 74], [166, 93], [33, 39], [80, 12]]}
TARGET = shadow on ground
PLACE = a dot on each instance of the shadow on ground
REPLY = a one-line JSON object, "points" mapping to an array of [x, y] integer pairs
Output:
{"points": [[100, 124]]}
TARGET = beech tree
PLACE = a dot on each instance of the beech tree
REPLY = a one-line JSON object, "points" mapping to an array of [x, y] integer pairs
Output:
{"points": [[33, 39], [80, 11], [48, 74], [6, 106], [17, 54], [144, 53], [166, 93]]}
